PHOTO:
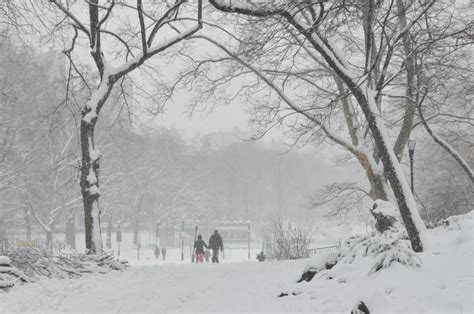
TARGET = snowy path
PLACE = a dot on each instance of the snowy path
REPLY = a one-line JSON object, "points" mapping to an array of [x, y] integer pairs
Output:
{"points": [[235, 287]]}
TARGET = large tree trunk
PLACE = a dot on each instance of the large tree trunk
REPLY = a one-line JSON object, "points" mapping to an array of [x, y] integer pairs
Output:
{"points": [[89, 187], [392, 169], [90, 166]]}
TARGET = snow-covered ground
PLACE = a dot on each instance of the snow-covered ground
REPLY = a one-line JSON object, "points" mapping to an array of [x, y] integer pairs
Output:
{"points": [[443, 283], [227, 287]]}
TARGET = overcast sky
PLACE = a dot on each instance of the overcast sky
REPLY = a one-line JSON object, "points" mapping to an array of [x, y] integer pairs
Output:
{"points": [[222, 118]]}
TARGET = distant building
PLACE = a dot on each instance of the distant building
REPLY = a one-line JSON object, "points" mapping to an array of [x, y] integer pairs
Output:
{"points": [[235, 234]]}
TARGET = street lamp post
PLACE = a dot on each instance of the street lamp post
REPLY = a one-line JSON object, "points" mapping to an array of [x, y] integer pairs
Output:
{"points": [[182, 240], [411, 151], [249, 242]]}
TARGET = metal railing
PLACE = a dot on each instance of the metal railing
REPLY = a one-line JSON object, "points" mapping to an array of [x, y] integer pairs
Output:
{"points": [[323, 249]]}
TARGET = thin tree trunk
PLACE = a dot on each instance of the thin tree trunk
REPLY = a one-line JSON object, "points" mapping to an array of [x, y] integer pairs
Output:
{"points": [[27, 224], [378, 187], [108, 243], [136, 228], [410, 109], [3, 229], [376, 180], [70, 232], [49, 241]]}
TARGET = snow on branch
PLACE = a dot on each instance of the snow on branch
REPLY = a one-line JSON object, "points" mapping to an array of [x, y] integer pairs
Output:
{"points": [[258, 8]]}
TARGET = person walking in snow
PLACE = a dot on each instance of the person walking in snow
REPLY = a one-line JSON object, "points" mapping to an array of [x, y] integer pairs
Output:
{"points": [[157, 252], [163, 253], [199, 246], [215, 242]]}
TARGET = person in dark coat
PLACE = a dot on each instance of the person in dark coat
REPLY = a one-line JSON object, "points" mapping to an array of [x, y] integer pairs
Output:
{"points": [[199, 246], [157, 252], [215, 243], [163, 253]]}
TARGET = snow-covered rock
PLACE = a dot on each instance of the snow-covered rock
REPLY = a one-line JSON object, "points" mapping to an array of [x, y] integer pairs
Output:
{"points": [[386, 216], [317, 264], [5, 260]]}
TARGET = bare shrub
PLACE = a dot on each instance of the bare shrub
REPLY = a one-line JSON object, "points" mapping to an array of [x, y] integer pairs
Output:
{"points": [[288, 240]]}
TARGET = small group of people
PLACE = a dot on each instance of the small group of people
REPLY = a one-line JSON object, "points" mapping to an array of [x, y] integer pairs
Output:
{"points": [[215, 244], [157, 253]]}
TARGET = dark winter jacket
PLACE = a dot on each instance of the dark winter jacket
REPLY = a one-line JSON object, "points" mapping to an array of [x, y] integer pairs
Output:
{"points": [[199, 245], [215, 242]]}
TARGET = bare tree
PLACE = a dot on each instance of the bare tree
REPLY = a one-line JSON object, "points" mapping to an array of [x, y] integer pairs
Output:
{"points": [[143, 44], [309, 21]]}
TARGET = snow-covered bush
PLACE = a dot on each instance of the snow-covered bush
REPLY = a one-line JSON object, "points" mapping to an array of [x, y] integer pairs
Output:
{"points": [[382, 249], [288, 240], [386, 216]]}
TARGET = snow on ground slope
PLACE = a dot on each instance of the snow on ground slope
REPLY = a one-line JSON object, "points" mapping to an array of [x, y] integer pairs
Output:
{"points": [[443, 283]]}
